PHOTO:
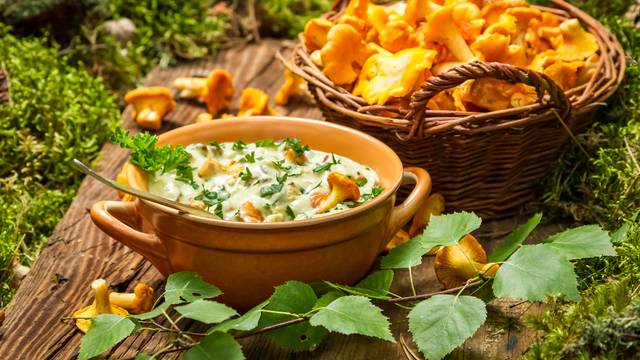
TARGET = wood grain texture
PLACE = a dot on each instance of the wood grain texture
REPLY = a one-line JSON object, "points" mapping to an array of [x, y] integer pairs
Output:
{"points": [[78, 253]]}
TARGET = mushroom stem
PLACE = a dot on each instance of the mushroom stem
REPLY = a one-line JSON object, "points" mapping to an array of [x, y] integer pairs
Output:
{"points": [[101, 296], [124, 300]]}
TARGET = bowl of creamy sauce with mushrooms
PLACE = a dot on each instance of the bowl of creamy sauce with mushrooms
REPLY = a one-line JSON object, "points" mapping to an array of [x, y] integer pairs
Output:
{"points": [[268, 181]]}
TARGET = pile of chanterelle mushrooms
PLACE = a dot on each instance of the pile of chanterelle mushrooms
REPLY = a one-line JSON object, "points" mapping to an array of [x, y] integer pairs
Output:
{"points": [[383, 53]]}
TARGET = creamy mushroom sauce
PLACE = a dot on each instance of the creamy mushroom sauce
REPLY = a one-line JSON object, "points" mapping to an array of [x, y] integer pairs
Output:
{"points": [[261, 174]]}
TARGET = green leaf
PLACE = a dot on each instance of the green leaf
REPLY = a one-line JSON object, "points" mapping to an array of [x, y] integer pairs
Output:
{"points": [[535, 271], [374, 286], [443, 322], [215, 346], [404, 256], [620, 235], [449, 229], [327, 299], [581, 242], [189, 286], [353, 315], [297, 298], [206, 311], [246, 322], [142, 356], [105, 331], [515, 239]]}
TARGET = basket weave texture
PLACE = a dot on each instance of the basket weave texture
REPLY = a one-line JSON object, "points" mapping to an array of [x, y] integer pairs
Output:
{"points": [[487, 162]]}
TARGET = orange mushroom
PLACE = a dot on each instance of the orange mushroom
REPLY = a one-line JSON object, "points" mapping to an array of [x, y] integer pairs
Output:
{"points": [[292, 85], [190, 87], [357, 8], [397, 35], [577, 44], [523, 15], [254, 102], [399, 238], [315, 33], [140, 301], [491, 11], [565, 74], [440, 27], [393, 76], [492, 94], [466, 15], [203, 117], [249, 213], [100, 305], [122, 179], [342, 188], [343, 55], [495, 47], [456, 264], [209, 167], [218, 92], [150, 105]]}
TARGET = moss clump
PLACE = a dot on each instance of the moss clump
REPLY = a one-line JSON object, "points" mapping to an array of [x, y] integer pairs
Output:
{"points": [[58, 112], [288, 17]]}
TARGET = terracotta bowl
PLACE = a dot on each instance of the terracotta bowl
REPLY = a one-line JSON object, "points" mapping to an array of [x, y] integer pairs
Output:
{"points": [[246, 260]]}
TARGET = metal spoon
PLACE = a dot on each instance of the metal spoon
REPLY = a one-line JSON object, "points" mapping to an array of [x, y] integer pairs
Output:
{"points": [[142, 194]]}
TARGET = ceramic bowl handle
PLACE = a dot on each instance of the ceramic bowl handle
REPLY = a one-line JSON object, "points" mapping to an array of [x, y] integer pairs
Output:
{"points": [[402, 213], [116, 218]]}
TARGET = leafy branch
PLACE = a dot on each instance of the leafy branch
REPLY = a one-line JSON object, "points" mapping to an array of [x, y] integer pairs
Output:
{"points": [[299, 316]]}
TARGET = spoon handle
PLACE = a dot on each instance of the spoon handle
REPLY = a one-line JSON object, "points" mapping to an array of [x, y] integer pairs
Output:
{"points": [[142, 194]]}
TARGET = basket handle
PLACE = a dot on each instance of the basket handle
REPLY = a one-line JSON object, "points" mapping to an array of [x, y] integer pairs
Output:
{"points": [[477, 70]]}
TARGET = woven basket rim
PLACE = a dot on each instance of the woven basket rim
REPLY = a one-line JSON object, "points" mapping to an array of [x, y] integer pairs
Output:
{"points": [[553, 102]]}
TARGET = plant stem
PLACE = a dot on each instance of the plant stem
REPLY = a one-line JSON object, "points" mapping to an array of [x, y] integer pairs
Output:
{"points": [[272, 327], [428, 295]]}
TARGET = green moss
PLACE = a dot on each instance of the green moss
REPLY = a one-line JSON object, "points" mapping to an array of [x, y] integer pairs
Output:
{"points": [[58, 112], [288, 17]]}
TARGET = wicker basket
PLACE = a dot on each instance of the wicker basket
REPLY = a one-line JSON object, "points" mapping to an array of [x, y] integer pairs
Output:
{"points": [[484, 162]]}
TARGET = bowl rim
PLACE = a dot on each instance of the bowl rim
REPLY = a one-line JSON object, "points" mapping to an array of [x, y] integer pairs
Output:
{"points": [[283, 224]]}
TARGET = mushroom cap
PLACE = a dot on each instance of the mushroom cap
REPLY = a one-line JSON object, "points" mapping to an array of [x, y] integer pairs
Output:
{"points": [[577, 44], [343, 54], [491, 11], [397, 35], [218, 92], [441, 27], [254, 102], [563, 73], [144, 298], [292, 85], [249, 213], [315, 33], [492, 94], [157, 93], [524, 14], [505, 25], [393, 76], [399, 238], [344, 185], [455, 264], [496, 47], [466, 15]]}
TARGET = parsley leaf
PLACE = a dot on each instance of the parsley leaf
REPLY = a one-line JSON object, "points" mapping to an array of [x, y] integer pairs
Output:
{"points": [[375, 192], [239, 145], [326, 166], [280, 165], [274, 188], [361, 181], [249, 158], [266, 143], [150, 158], [295, 145], [246, 175], [290, 212], [215, 145]]}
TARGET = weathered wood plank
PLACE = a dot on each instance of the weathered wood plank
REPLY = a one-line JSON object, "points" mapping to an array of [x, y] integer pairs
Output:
{"points": [[78, 252]]}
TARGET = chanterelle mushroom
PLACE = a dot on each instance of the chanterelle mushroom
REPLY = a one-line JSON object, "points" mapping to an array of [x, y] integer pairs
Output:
{"points": [[150, 105], [292, 85], [218, 92], [139, 301], [342, 189], [399, 238], [434, 205], [343, 54], [440, 27], [190, 87], [577, 44], [101, 305], [254, 102], [455, 264]]}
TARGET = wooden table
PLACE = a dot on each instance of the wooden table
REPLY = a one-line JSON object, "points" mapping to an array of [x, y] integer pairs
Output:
{"points": [[78, 253]]}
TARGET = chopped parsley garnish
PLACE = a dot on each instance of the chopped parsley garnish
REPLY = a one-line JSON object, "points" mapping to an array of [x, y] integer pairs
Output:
{"points": [[267, 191], [152, 159], [213, 199], [326, 166], [246, 175], [280, 165], [377, 190], [239, 145], [249, 158], [267, 143], [215, 144], [290, 212], [361, 181], [295, 145]]}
